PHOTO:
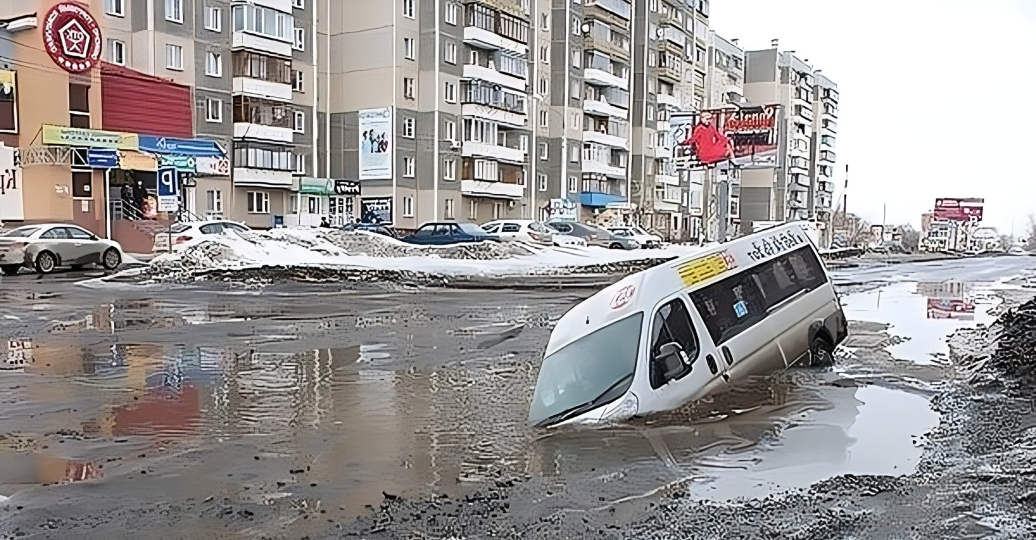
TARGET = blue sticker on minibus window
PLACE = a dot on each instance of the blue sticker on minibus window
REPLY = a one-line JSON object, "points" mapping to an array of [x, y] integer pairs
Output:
{"points": [[741, 309]]}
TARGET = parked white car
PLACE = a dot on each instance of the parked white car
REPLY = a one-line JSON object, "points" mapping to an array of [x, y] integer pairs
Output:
{"points": [[646, 239], [181, 233], [526, 230]]}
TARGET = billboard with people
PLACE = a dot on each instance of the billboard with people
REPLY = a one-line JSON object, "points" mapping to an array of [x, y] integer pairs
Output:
{"points": [[375, 128], [748, 137], [964, 210]]}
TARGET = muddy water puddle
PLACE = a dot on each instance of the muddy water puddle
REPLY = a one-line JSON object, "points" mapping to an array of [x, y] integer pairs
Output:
{"points": [[922, 315], [398, 394]]}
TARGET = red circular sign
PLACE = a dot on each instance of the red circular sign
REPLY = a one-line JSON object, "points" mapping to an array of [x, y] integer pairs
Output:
{"points": [[72, 37]]}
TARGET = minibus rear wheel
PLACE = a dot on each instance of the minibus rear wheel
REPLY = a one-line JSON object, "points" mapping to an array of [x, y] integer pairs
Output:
{"points": [[821, 353]]}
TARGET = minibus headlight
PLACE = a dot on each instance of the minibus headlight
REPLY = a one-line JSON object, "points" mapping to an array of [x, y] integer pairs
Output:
{"points": [[627, 409]]}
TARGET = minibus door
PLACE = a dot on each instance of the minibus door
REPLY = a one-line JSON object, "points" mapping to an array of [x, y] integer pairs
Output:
{"points": [[683, 363]]}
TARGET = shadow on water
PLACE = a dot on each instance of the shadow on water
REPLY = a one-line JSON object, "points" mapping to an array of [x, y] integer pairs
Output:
{"points": [[341, 397]]}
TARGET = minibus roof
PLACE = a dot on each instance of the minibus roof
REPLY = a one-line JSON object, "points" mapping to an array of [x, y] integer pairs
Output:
{"points": [[644, 290]]}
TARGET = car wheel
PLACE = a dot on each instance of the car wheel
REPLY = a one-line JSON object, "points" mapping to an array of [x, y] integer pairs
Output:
{"points": [[111, 259], [46, 262], [616, 245], [821, 353], [10, 269]]}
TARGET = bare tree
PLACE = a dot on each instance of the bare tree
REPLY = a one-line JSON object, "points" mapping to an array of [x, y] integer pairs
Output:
{"points": [[910, 239], [1030, 243], [850, 230]]}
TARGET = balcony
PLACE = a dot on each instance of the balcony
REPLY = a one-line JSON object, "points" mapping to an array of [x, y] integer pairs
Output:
{"points": [[613, 141], [602, 38], [485, 39], [619, 8], [246, 130], [248, 177], [493, 76], [481, 188], [667, 180], [799, 164], [502, 153], [826, 187], [256, 42], [604, 168], [488, 28], [828, 156], [830, 111], [601, 77], [485, 112], [603, 108], [596, 199], [263, 89], [675, 36], [668, 100], [829, 126]]}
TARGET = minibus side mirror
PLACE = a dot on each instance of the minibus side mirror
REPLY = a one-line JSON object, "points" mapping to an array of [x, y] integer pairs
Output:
{"points": [[673, 357]]}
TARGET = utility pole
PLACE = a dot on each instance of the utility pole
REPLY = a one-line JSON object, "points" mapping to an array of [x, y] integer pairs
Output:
{"points": [[723, 202]]}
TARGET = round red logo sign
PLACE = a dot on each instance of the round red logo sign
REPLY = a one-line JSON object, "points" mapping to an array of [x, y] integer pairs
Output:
{"points": [[72, 37]]}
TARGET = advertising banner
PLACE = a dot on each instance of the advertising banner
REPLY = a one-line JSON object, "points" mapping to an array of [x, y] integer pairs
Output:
{"points": [[376, 210], [186, 147], [562, 209], [964, 210], [749, 136], [11, 202], [135, 161], [212, 166], [102, 158], [347, 187], [89, 138], [168, 190], [375, 127]]}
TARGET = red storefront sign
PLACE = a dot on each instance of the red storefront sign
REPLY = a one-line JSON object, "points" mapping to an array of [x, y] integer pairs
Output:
{"points": [[72, 37]]}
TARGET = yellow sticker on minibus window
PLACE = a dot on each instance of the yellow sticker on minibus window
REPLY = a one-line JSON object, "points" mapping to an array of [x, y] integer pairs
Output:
{"points": [[698, 270]]}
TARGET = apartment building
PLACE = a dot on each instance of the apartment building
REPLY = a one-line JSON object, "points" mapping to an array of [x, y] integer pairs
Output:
{"points": [[671, 44], [725, 89], [432, 119], [792, 191]]}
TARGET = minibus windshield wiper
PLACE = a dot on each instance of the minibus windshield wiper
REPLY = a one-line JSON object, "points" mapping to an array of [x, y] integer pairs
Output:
{"points": [[583, 407]]}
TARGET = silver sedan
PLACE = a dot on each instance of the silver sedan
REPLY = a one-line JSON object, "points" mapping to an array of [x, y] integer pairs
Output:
{"points": [[46, 247]]}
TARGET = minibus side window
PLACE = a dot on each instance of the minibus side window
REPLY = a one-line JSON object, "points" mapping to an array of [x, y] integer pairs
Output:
{"points": [[731, 306], [790, 274], [672, 324]]}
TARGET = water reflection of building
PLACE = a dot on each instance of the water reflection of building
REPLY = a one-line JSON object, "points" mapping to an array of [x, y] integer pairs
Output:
{"points": [[949, 300]]}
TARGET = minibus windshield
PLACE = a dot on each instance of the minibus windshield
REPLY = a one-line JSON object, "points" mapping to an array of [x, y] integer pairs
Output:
{"points": [[591, 371]]}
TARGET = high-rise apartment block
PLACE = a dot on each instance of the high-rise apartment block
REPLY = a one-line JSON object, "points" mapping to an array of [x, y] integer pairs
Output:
{"points": [[801, 187]]}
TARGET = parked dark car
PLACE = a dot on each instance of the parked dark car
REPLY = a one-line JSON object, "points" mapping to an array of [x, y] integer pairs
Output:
{"points": [[375, 228], [449, 233]]}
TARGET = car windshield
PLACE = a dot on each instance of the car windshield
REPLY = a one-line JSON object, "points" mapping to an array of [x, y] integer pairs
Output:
{"points": [[20, 232], [582, 371], [179, 228], [471, 228], [639, 231]]}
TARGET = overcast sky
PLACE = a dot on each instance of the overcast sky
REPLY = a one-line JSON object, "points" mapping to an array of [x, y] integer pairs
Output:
{"points": [[936, 96]]}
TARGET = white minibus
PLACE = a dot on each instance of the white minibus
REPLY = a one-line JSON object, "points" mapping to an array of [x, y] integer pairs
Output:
{"points": [[689, 328]]}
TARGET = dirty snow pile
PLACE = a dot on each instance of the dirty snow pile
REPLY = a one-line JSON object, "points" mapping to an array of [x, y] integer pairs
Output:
{"points": [[331, 255], [1016, 347]]}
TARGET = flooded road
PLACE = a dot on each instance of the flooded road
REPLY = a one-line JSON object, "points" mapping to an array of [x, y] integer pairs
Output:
{"points": [[294, 402]]}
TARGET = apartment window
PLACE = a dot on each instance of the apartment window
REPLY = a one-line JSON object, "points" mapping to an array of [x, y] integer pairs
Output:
{"points": [[296, 81], [114, 7], [543, 150], [408, 207], [213, 18], [545, 21], [451, 52], [258, 202], [473, 210], [543, 86], [408, 128], [498, 210], [448, 210], [575, 121], [117, 52], [298, 4], [577, 57], [263, 21], [451, 92], [174, 11], [408, 167], [574, 89], [264, 156], [214, 64], [650, 112], [300, 122], [573, 154], [541, 182], [450, 130], [174, 57], [449, 169], [576, 23], [451, 13], [654, 5], [544, 54], [214, 201], [408, 87], [300, 167], [214, 110], [300, 39], [408, 9], [543, 118], [572, 184], [409, 48], [260, 66], [523, 143]]}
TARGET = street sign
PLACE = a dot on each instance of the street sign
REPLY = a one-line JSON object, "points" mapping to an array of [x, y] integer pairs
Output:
{"points": [[168, 190]]}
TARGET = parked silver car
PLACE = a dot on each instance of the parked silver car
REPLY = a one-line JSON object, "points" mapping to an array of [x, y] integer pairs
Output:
{"points": [[594, 236], [46, 247]]}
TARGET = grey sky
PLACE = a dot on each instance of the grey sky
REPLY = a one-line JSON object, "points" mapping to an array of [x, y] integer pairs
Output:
{"points": [[934, 96]]}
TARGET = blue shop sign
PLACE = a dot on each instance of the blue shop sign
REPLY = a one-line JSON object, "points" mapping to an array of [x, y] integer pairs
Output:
{"points": [[183, 147], [102, 158]]}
